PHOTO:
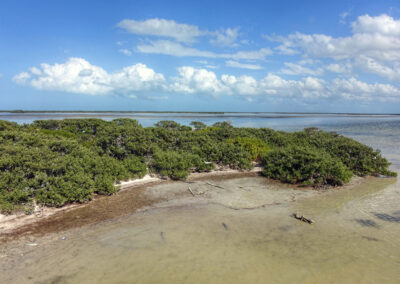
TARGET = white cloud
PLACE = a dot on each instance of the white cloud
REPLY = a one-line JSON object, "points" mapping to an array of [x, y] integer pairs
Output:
{"points": [[175, 49], [353, 89], [373, 47], [207, 64], [260, 54], [297, 69], [226, 37], [235, 64], [21, 78], [318, 45], [192, 80], [308, 87], [78, 76], [286, 46], [201, 81], [127, 52], [242, 85], [343, 16], [339, 68], [382, 24], [390, 71], [163, 28]]}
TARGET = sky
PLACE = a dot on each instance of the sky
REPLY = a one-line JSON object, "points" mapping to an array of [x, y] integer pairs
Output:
{"points": [[275, 56]]}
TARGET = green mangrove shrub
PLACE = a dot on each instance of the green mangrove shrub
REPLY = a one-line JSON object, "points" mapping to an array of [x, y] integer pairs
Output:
{"points": [[305, 165]]}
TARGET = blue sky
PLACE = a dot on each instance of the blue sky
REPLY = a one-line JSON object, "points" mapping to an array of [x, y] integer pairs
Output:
{"points": [[319, 56]]}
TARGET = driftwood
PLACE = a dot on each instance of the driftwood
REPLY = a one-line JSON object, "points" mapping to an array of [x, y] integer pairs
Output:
{"points": [[191, 191], [302, 218], [209, 183]]}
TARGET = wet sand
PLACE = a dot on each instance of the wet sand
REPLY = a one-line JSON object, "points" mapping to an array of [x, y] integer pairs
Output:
{"points": [[130, 198]]}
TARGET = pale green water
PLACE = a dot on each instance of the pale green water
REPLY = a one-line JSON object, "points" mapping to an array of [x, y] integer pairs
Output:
{"points": [[356, 237]]}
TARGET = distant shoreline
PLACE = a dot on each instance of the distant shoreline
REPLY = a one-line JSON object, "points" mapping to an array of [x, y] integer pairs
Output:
{"points": [[195, 112]]}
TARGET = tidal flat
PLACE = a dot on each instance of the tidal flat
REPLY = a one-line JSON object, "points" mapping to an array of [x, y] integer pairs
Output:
{"points": [[235, 229]]}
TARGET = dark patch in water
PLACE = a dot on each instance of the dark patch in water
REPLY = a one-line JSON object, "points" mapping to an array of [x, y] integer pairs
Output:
{"points": [[396, 213], [370, 239], [388, 218], [56, 280], [366, 223], [162, 236], [225, 226], [285, 228]]}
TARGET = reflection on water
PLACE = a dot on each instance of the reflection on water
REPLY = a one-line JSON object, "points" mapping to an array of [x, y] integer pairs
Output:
{"points": [[355, 238]]}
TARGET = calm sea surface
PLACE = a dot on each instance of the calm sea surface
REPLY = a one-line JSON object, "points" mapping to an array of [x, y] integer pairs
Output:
{"points": [[356, 237]]}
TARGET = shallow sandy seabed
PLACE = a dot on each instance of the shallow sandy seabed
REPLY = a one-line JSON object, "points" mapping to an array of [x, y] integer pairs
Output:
{"points": [[234, 228]]}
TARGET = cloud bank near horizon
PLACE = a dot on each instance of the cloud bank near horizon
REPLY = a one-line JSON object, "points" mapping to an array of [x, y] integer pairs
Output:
{"points": [[77, 75]]}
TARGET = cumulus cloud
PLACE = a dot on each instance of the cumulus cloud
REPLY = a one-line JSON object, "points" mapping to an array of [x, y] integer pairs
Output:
{"points": [[192, 80], [235, 64], [79, 76], [382, 24], [373, 47], [202, 81], [163, 28], [353, 89], [176, 49]]}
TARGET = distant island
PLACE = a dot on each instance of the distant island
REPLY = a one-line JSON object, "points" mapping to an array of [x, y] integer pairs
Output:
{"points": [[56, 162]]}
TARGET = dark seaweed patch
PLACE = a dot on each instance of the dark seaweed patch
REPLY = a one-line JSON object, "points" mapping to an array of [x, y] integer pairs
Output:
{"points": [[367, 223], [388, 218], [370, 239]]}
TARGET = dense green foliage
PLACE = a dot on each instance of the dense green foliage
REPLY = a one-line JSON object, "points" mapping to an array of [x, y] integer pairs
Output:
{"points": [[305, 165], [54, 162]]}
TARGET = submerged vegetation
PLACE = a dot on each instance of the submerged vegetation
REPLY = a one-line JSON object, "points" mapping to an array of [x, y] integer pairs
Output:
{"points": [[54, 162]]}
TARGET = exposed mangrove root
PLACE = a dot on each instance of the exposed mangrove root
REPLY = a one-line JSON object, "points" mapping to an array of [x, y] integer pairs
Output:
{"points": [[302, 218]]}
